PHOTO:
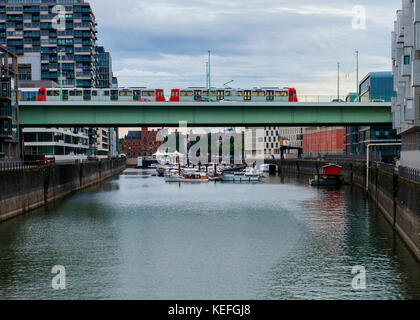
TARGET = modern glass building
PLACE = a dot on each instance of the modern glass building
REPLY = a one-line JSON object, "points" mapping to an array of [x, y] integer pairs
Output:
{"points": [[104, 68], [54, 40], [9, 108], [376, 86]]}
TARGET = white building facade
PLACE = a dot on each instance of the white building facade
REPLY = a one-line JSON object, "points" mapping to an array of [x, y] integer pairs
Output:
{"points": [[63, 145], [406, 70], [266, 143]]}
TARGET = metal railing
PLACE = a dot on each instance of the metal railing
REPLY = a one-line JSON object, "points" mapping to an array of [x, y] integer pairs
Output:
{"points": [[339, 158], [391, 168], [20, 165], [410, 173]]}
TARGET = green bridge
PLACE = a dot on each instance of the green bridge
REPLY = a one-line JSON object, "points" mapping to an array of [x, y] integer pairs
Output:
{"points": [[201, 114]]}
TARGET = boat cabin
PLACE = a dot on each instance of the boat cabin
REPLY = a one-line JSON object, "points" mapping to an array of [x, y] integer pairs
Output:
{"points": [[331, 170]]}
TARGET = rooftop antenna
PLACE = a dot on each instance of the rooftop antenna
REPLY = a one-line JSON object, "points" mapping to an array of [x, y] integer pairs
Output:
{"points": [[226, 84]]}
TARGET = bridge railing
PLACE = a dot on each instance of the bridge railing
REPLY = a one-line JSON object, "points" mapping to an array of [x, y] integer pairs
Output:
{"points": [[301, 98], [334, 98]]}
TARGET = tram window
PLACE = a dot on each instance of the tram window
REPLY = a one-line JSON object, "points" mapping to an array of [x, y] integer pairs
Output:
{"points": [[148, 93], [240, 93], [255, 94], [159, 93], [281, 94], [262, 94], [174, 93], [94, 93], [213, 93], [126, 93], [205, 94], [106, 93], [78, 93], [72, 93], [186, 93], [227, 93], [53, 93]]}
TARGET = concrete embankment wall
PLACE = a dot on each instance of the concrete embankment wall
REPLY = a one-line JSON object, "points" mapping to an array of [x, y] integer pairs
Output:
{"points": [[396, 197], [23, 190]]}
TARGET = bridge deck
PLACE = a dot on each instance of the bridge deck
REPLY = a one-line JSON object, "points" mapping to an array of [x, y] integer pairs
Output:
{"points": [[135, 114]]}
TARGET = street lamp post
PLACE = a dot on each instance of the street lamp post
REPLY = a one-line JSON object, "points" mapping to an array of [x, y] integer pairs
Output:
{"points": [[209, 76], [61, 75], [357, 76], [75, 77], [338, 81]]}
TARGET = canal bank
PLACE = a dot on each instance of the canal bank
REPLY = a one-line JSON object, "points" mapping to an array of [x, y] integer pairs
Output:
{"points": [[397, 198], [26, 189]]}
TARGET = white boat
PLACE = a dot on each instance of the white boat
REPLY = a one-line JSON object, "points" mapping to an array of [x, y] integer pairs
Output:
{"points": [[265, 168], [187, 176], [249, 175], [239, 178]]}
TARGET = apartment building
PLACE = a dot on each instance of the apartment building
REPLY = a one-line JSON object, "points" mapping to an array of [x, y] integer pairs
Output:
{"points": [[142, 143], [292, 137], [53, 39], [58, 143], [266, 142], [104, 68], [406, 71], [9, 108]]}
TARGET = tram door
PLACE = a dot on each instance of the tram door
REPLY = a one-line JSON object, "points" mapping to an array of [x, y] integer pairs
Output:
{"points": [[114, 95], [65, 95], [87, 95], [247, 95], [136, 95], [197, 95], [270, 95], [220, 95]]}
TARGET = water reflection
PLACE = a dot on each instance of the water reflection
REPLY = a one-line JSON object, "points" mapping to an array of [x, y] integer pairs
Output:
{"points": [[136, 237]]}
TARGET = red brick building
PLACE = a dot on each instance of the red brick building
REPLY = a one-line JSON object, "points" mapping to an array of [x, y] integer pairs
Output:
{"points": [[321, 141], [141, 143]]}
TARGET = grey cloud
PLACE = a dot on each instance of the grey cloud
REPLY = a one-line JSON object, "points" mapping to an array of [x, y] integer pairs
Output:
{"points": [[252, 41]]}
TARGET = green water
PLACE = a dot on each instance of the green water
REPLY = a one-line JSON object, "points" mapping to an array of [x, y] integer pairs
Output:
{"points": [[137, 237]]}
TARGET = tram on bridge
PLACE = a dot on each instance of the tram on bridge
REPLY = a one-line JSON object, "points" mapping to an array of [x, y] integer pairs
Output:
{"points": [[142, 94], [266, 94]]}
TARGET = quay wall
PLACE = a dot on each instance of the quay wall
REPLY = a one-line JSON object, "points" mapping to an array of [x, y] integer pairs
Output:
{"points": [[397, 198], [27, 189]]}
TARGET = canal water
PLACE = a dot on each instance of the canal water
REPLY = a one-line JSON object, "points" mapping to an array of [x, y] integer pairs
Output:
{"points": [[137, 237]]}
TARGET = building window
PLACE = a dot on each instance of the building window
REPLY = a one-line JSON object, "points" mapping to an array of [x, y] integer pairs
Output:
{"points": [[406, 59]]}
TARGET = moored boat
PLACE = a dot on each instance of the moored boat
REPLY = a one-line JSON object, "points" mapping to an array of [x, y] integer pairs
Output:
{"points": [[187, 176], [248, 175], [330, 177]]}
